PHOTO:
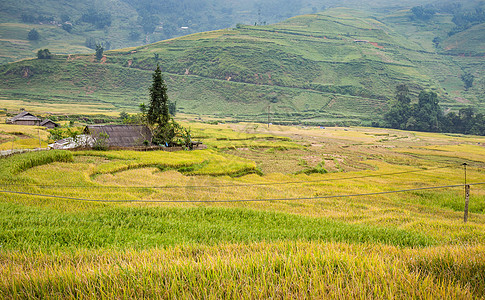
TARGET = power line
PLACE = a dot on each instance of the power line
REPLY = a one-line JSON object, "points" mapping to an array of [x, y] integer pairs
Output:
{"points": [[222, 185], [238, 200]]}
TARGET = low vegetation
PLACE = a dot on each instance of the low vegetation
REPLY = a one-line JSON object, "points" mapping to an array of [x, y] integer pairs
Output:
{"points": [[172, 224]]}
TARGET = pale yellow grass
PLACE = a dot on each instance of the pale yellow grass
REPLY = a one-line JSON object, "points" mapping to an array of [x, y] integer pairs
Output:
{"points": [[58, 108], [30, 143], [259, 270], [33, 131], [465, 152]]}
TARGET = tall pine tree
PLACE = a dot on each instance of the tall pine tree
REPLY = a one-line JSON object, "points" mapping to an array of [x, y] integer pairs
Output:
{"points": [[158, 107]]}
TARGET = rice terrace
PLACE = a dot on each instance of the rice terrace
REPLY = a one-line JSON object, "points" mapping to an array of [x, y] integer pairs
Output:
{"points": [[257, 149], [284, 212]]}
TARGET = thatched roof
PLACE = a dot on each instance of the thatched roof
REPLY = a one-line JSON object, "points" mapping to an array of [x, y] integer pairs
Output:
{"points": [[46, 121], [24, 116], [121, 135]]}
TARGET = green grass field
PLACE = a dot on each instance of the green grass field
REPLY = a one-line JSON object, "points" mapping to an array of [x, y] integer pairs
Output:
{"points": [[125, 224]]}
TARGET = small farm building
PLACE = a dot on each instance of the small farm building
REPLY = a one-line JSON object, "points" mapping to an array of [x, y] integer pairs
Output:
{"points": [[120, 135], [49, 124], [24, 118], [81, 141]]}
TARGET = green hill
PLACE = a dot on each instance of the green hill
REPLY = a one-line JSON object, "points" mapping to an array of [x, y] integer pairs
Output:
{"points": [[76, 26], [339, 66]]}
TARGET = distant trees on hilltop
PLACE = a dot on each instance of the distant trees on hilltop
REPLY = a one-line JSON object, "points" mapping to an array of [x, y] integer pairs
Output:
{"points": [[463, 18], [100, 19], [423, 13]]}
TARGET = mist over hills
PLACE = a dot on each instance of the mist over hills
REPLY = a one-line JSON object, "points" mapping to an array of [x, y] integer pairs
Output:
{"points": [[337, 66]]}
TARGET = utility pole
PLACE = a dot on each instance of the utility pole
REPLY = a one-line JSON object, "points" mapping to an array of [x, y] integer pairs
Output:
{"points": [[467, 195], [269, 106]]}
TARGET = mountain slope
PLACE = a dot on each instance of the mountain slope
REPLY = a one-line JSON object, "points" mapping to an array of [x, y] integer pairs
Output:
{"points": [[76, 26], [338, 66]]}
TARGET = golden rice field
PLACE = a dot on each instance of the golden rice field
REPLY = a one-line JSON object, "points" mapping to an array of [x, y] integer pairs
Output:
{"points": [[278, 212]]}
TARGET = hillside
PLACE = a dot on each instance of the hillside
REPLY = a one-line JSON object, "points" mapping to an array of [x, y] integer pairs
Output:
{"points": [[338, 66], [76, 26]]}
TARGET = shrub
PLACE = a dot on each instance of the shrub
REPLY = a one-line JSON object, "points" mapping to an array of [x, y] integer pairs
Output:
{"points": [[33, 35]]}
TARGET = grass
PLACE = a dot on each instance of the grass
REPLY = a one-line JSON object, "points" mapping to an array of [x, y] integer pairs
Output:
{"points": [[12, 166], [405, 245], [38, 229], [198, 162], [258, 270], [22, 137]]}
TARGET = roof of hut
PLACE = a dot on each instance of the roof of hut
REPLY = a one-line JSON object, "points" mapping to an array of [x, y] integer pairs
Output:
{"points": [[121, 135], [48, 121], [24, 116]]}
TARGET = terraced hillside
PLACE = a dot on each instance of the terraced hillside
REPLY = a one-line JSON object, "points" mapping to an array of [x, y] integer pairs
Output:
{"points": [[75, 26], [336, 67]]}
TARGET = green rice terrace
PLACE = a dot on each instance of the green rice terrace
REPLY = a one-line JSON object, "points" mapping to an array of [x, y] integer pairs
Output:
{"points": [[278, 212], [337, 67]]}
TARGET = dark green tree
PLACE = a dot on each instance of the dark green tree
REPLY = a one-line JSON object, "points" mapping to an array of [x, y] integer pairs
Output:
{"points": [[172, 108], [158, 108], [164, 128], [67, 27], [467, 79], [428, 112], [33, 35], [99, 51], [400, 111], [44, 54]]}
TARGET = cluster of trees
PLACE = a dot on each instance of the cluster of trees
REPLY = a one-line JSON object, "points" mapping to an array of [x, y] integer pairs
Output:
{"points": [[44, 54], [422, 12], [426, 115], [92, 43], [465, 20], [100, 19], [29, 18]]}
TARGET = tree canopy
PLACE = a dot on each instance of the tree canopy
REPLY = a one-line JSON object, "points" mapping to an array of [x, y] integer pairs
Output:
{"points": [[44, 54], [427, 115], [33, 35]]}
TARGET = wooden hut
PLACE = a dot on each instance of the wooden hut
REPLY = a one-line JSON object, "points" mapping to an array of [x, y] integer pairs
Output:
{"points": [[49, 124], [24, 118], [120, 135]]}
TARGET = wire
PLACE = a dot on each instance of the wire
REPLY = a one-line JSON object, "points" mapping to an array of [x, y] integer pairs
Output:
{"points": [[239, 200], [223, 185]]}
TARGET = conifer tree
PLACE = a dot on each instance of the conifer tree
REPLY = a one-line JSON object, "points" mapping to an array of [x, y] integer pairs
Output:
{"points": [[158, 107]]}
